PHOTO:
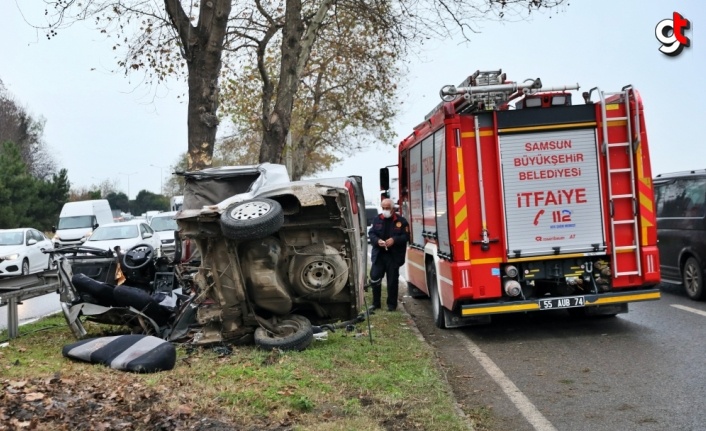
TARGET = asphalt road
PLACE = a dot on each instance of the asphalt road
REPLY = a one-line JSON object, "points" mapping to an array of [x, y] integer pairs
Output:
{"points": [[645, 370]]}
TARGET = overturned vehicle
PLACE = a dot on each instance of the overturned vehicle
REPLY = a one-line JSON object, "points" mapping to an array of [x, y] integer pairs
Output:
{"points": [[259, 258]]}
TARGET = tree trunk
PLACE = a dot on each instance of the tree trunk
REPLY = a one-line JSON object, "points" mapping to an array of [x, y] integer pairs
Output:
{"points": [[297, 42], [203, 46]]}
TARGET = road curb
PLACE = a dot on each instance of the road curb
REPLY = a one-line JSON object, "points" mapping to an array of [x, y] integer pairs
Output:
{"points": [[413, 327]]}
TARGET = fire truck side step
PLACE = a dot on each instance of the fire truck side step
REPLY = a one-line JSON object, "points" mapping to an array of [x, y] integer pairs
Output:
{"points": [[624, 221], [612, 119], [618, 274], [626, 247]]}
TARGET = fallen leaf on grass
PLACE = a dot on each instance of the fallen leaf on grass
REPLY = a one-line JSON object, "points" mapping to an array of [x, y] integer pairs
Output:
{"points": [[34, 396]]}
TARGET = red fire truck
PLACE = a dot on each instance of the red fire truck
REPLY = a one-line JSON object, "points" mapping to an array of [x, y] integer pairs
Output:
{"points": [[520, 201]]}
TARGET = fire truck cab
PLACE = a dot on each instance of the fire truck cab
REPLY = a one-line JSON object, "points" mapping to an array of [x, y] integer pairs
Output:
{"points": [[519, 200]]}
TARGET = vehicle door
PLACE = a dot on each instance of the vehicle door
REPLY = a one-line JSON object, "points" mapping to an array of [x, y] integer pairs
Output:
{"points": [[36, 258], [680, 222]]}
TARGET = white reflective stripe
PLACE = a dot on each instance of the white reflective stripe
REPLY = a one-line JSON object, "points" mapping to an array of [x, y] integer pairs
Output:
{"points": [[415, 264], [446, 280]]}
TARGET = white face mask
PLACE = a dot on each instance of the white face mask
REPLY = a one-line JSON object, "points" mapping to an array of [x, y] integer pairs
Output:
{"points": [[386, 213]]}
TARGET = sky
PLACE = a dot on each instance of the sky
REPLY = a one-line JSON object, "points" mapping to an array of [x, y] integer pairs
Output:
{"points": [[106, 126]]}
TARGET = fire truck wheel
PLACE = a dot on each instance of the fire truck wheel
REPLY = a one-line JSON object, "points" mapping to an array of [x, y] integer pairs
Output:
{"points": [[415, 292], [436, 308], [252, 219], [294, 333], [693, 279]]}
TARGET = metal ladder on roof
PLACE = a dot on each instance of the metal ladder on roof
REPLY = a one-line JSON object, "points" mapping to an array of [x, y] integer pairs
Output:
{"points": [[620, 245]]}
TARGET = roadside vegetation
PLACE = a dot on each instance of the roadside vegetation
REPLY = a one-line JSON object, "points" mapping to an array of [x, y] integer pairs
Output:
{"points": [[342, 383]]}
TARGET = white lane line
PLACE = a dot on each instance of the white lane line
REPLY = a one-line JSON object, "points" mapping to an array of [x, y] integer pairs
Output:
{"points": [[689, 309], [523, 404]]}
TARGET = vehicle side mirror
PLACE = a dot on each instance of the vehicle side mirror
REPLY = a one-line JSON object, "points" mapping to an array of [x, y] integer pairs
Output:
{"points": [[384, 179], [147, 235], [31, 241], [95, 226]]}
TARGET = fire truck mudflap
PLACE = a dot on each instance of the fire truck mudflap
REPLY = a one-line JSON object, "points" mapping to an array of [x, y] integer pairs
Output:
{"points": [[546, 206]]}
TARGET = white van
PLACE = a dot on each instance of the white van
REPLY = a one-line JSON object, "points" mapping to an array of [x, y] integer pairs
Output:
{"points": [[176, 202], [78, 219]]}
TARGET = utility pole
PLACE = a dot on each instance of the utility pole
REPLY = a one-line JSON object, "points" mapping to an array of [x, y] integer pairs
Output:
{"points": [[128, 187]]}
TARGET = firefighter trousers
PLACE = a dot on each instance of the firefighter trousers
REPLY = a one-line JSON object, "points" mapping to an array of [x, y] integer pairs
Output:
{"points": [[385, 264]]}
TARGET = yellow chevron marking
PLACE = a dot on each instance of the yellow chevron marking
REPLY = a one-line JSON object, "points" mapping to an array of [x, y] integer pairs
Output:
{"points": [[461, 216]]}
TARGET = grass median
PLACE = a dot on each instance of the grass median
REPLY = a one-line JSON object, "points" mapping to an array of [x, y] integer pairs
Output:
{"points": [[342, 383]]}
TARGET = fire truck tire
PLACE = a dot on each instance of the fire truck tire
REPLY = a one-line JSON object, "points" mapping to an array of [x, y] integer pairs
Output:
{"points": [[415, 292], [295, 333], [693, 278], [436, 307], [252, 219]]}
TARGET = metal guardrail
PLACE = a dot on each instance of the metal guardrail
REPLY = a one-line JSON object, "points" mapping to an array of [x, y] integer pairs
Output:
{"points": [[15, 290]]}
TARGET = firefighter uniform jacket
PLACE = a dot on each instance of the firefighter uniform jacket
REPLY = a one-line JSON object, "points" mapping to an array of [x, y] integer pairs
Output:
{"points": [[395, 227]]}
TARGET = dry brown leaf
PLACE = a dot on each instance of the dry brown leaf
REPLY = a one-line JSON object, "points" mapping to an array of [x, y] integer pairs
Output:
{"points": [[34, 396], [183, 411], [18, 383]]}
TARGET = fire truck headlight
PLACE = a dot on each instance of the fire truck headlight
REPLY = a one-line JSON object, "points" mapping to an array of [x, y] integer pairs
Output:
{"points": [[511, 271], [512, 287]]}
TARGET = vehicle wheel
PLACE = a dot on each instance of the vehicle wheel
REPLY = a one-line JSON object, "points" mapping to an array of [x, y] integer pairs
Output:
{"points": [[253, 219], [318, 270], [436, 308], [415, 292], [25, 267], [693, 279], [295, 333]]}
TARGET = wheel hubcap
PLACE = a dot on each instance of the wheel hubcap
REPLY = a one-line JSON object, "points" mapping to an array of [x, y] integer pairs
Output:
{"points": [[318, 274], [250, 210], [692, 278]]}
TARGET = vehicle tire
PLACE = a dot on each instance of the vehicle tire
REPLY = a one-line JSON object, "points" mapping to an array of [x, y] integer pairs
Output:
{"points": [[252, 219], [693, 278], [25, 267], [296, 334], [436, 308], [415, 292], [318, 270]]}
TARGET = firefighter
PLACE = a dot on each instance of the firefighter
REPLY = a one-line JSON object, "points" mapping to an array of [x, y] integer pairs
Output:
{"points": [[388, 236]]}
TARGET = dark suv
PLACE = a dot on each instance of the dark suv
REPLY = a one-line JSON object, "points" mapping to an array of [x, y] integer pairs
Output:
{"points": [[680, 198]]}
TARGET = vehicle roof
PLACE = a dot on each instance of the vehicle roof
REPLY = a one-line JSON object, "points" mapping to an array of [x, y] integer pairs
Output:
{"points": [[681, 174], [165, 214], [16, 229]]}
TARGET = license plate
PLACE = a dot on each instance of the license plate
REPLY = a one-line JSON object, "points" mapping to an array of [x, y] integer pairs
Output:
{"points": [[556, 303]]}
